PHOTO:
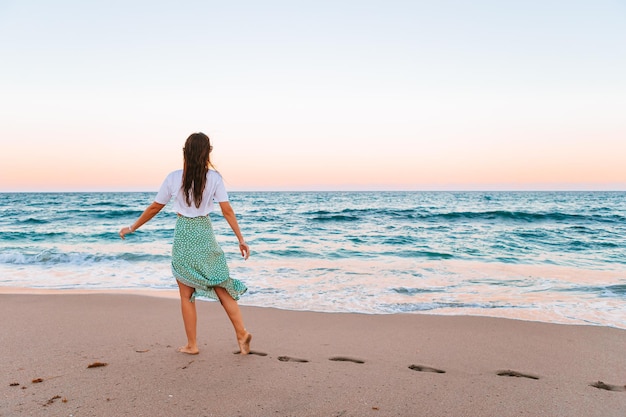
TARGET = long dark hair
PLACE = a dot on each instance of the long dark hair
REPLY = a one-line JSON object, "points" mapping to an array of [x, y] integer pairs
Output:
{"points": [[197, 162]]}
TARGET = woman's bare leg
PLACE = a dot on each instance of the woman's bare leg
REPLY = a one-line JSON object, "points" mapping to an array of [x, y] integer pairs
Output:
{"points": [[189, 319], [234, 314]]}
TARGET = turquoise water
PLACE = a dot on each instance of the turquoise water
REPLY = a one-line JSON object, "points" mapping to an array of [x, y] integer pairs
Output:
{"points": [[546, 256]]}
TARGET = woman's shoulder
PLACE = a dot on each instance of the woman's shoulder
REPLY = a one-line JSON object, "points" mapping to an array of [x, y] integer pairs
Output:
{"points": [[214, 175], [173, 179], [175, 174]]}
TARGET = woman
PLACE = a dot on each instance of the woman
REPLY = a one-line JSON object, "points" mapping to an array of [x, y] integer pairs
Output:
{"points": [[198, 262]]}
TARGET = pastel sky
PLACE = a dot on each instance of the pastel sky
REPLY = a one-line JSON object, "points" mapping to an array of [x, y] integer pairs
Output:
{"points": [[315, 95]]}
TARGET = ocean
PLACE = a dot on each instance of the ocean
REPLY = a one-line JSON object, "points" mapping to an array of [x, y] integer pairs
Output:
{"points": [[555, 257]]}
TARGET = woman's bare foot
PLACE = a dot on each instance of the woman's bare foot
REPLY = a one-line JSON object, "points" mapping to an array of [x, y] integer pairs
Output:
{"points": [[244, 344], [188, 350]]}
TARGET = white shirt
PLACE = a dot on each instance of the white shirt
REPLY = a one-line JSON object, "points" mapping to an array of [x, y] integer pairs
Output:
{"points": [[214, 190]]}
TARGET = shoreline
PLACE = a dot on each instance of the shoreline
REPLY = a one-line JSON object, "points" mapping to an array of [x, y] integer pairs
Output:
{"points": [[147, 292], [303, 363], [511, 314]]}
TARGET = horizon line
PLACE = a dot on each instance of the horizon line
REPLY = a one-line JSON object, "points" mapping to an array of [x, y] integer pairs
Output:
{"points": [[437, 190]]}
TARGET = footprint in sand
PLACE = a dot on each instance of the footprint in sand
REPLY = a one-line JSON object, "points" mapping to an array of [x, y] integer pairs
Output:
{"points": [[508, 372], [345, 359], [608, 387], [422, 368], [290, 359]]}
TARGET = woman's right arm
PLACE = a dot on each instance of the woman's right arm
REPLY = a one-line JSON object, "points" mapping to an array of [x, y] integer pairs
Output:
{"points": [[148, 214]]}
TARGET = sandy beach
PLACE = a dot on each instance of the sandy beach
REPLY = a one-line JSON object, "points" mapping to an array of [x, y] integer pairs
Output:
{"points": [[302, 363]]}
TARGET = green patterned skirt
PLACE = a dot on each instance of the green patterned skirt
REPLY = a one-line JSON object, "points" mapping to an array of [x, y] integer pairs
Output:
{"points": [[199, 262]]}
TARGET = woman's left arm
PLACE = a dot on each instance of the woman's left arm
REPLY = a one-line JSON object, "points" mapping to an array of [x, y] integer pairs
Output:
{"points": [[148, 214], [231, 218]]}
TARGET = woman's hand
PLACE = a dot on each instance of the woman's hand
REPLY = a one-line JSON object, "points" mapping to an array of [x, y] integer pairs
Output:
{"points": [[124, 231], [245, 250]]}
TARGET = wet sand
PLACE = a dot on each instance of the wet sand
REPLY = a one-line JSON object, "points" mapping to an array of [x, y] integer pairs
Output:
{"points": [[302, 363]]}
